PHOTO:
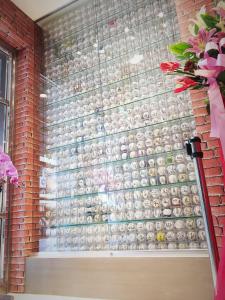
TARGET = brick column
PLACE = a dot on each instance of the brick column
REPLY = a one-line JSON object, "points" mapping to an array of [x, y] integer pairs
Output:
{"points": [[21, 33], [186, 9]]}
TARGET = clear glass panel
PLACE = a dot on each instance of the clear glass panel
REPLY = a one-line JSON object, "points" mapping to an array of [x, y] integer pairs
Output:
{"points": [[3, 75], [3, 112], [115, 172], [5, 89]]}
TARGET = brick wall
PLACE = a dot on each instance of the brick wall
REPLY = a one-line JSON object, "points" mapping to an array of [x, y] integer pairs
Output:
{"points": [[24, 36], [187, 9]]}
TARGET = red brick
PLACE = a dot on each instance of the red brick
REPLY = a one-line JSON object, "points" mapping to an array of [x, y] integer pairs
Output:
{"points": [[20, 35], [201, 111], [213, 172], [218, 231], [219, 241], [215, 190], [222, 199], [217, 152], [214, 181], [200, 120], [215, 200], [205, 135], [208, 154], [204, 128], [213, 144], [211, 163], [218, 210], [16, 274], [215, 220], [198, 103], [221, 220]]}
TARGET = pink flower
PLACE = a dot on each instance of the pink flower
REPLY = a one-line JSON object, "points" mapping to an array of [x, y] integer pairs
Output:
{"points": [[4, 157], [169, 66], [184, 83], [199, 42], [11, 170], [14, 180], [7, 168]]}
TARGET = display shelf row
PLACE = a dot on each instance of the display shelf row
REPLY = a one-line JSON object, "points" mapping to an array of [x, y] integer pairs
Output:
{"points": [[100, 111], [52, 197], [79, 19], [119, 161], [124, 131], [65, 217], [99, 85], [51, 245], [149, 141], [99, 23], [69, 98], [126, 221], [98, 50], [125, 58]]}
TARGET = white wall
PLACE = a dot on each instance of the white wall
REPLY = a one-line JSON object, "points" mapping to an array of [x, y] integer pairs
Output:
{"points": [[36, 9]]}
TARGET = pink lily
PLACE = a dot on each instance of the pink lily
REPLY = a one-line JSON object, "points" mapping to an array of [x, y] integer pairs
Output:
{"points": [[199, 42]]}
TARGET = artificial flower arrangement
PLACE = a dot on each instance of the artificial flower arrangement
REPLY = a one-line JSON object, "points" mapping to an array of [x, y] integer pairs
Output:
{"points": [[201, 64], [7, 169]]}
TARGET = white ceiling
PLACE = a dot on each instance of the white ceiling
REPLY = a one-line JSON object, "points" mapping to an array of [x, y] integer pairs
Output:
{"points": [[36, 9]]}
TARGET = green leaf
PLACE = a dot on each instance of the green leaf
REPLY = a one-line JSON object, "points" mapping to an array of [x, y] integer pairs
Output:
{"points": [[197, 87], [209, 21], [221, 76], [196, 29], [178, 49], [206, 101]]}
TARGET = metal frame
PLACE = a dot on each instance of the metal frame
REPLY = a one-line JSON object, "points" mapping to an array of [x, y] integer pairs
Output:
{"points": [[46, 20], [5, 194], [194, 150], [138, 253]]}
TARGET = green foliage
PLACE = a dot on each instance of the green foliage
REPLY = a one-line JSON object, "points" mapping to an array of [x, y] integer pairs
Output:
{"points": [[196, 29], [209, 21], [179, 50], [221, 77], [197, 87], [206, 101]]}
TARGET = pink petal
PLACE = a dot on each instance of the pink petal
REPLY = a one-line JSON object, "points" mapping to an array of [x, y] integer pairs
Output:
{"points": [[14, 180]]}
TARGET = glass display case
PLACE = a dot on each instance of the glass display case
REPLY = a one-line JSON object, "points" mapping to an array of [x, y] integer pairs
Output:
{"points": [[115, 173]]}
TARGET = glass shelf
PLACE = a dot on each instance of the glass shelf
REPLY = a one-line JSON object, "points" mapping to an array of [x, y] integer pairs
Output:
{"points": [[69, 55], [108, 109], [126, 221], [177, 184], [124, 131], [109, 122], [112, 162], [101, 86], [118, 57], [95, 24]]}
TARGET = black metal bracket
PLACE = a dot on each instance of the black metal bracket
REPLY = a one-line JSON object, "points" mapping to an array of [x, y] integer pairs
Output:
{"points": [[189, 148], [198, 154]]}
